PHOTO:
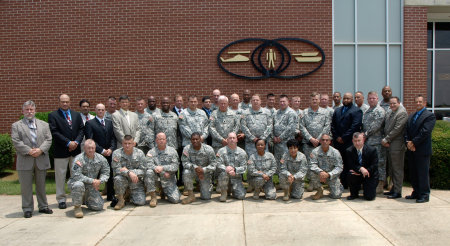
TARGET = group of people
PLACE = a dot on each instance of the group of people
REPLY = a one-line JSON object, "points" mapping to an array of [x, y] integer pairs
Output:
{"points": [[153, 151]]}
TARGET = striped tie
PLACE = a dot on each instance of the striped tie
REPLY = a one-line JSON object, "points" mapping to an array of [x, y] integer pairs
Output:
{"points": [[359, 157], [33, 133]]}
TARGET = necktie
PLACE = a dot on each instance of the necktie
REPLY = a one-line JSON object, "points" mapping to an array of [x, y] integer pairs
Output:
{"points": [[103, 123], [87, 117], [344, 109], [359, 157], [415, 117], [32, 133], [68, 118]]}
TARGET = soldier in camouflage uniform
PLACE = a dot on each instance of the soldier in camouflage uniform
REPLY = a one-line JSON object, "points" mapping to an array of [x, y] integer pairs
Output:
{"points": [[167, 122], [262, 166], [129, 166], [234, 106], [295, 105], [83, 183], [326, 163], [147, 125], [314, 123], [293, 170], [223, 121], [152, 109], [245, 104], [199, 161], [359, 101], [373, 120], [215, 99], [193, 120], [163, 163], [324, 104], [386, 92]]}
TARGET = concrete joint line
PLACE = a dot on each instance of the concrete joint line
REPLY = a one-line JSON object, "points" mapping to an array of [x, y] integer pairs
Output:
{"points": [[243, 222], [101, 239]]}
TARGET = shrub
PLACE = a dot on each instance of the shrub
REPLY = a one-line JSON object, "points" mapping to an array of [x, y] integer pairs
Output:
{"points": [[7, 152], [440, 160]]}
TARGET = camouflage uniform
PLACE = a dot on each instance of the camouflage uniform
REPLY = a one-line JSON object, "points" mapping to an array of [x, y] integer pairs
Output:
{"points": [[364, 107], [266, 164], [168, 159], [168, 124], [221, 124], [256, 124], [385, 105], [147, 125], [284, 126], [272, 112], [313, 125], [191, 159], [235, 158], [239, 112], [193, 121], [330, 162], [373, 120], [84, 171], [136, 163], [153, 113], [330, 111], [298, 168], [299, 113], [244, 106]]}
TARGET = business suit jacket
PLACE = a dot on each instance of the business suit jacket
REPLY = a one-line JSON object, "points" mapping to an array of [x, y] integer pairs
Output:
{"points": [[420, 132], [21, 138], [176, 112], [344, 125], [63, 133], [103, 136], [122, 128], [369, 160], [394, 126]]}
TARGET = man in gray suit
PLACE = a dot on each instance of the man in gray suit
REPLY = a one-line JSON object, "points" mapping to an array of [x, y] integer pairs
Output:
{"points": [[393, 140], [32, 139], [125, 122]]}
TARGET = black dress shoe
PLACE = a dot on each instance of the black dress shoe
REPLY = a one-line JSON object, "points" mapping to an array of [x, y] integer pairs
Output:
{"points": [[27, 214], [46, 211], [388, 193], [62, 205], [411, 197], [395, 195], [423, 199], [352, 197], [114, 201]]}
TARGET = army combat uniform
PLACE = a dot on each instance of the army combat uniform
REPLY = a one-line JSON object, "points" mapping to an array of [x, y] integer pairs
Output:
{"points": [[84, 171], [147, 138], [284, 126], [330, 162], [373, 120], [296, 167], [168, 159], [238, 160], [221, 124], [191, 159], [256, 124], [168, 124], [136, 163], [267, 165], [193, 121]]}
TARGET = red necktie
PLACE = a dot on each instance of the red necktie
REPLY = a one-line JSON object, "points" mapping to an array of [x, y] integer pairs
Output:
{"points": [[68, 119]]}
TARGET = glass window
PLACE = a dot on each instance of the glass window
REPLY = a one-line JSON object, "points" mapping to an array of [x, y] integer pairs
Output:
{"points": [[429, 78], [344, 60], [371, 21], [442, 35], [395, 69], [442, 79], [430, 34], [395, 32], [371, 68], [345, 21]]}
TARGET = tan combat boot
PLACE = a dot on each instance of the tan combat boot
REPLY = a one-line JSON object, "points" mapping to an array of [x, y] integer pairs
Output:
{"points": [[256, 194], [190, 198], [286, 195], [153, 200], [380, 187], [318, 194], [310, 187], [78, 212], [249, 188], [121, 203], [223, 196]]}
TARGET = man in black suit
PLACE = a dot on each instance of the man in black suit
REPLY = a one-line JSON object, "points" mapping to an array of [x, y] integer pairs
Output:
{"points": [[67, 130], [347, 120], [418, 141], [362, 161], [178, 104], [101, 131]]}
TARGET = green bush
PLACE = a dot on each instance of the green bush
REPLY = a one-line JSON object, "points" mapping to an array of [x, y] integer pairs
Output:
{"points": [[440, 160], [7, 152]]}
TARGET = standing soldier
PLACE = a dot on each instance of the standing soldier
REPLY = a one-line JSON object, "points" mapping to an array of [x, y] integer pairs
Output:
{"points": [[386, 92], [262, 166], [270, 104], [293, 170], [167, 122], [324, 104], [295, 104], [373, 120], [215, 99], [198, 162], [223, 121], [284, 125], [359, 101], [234, 105], [232, 164], [313, 125], [129, 166], [84, 183], [326, 163], [193, 120], [163, 163], [152, 109], [337, 99], [246, 96], [147, 125]]}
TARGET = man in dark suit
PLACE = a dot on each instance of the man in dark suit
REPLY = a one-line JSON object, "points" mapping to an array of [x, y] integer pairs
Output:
{"points": [[347, 120], [418, 141], [178, 104], [362, 161], [32, 139], [206, 101], [101, 131], [67, 130]]}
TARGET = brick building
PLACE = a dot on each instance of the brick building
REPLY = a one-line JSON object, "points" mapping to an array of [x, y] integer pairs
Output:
{"points": [[95, 49]]}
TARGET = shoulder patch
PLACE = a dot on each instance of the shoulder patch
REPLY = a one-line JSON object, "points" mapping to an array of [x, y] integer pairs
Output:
{"points": [[186, 153], [79, 163]]}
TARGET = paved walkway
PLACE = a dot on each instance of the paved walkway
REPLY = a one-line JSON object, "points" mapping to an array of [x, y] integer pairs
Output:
{"points": [[248, 222]]}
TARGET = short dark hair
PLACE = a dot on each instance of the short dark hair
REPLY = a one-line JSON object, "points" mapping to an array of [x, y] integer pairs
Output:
{"points": [[112, 98], [84, 101], [196, 134], [284, 96], [293, 143], [206, 98], [192, 97], [260, 139], [270, 95], [127, 137], [139, 99], [396, 98], [123, 97]]}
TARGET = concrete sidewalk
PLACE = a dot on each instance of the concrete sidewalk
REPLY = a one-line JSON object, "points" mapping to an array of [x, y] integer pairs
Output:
{"points": [[248, 222]]}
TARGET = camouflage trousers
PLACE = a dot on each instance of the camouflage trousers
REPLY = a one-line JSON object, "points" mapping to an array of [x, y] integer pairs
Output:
{"points": [[313, 181], [335, 185], [137, 190], [297, 186], [381, 151], [205, 184], [169, 185], [80, 190], [237, 188], [269, 188], [279, 149]]}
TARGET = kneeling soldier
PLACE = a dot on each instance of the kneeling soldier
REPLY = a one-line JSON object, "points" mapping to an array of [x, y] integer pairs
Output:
{"points": [[129, 166], [262, 166], [293, 168], [84, 183], [163, 163], [232, 164]]}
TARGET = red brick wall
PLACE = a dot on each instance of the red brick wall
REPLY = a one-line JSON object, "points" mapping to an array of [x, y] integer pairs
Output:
{"points": [[94, 49], [415, 55]]}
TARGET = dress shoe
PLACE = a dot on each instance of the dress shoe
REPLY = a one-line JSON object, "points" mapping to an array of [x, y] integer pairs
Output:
{"points": [[411, 197], [62, 205], [114, 202], [388, 193], [352, 197], [46, 211], [27, 214], [394, 195], [423, 199]]}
